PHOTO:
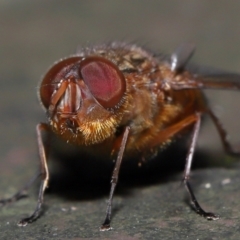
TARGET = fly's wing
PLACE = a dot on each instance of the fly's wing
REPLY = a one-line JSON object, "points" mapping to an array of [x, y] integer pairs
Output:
{"points": [[199, 77], [225, 81], [181, 56]]}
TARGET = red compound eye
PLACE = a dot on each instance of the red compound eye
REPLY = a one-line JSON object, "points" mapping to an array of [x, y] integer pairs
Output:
{"points": [[104, 80], [53, 77]]}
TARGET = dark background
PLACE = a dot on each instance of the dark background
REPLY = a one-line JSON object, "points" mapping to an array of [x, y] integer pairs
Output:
{"points": [[35, 34]]}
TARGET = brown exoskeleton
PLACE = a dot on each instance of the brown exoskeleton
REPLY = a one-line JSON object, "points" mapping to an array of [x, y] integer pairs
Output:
{"points": [[127, 102]]}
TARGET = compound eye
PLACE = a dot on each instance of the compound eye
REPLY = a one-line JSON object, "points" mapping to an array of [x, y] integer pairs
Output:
{"points": [[104, 80], [53, 78]]}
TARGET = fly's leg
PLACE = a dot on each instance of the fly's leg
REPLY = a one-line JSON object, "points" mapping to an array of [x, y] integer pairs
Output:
{"points": [[44, 174], [106, 224], [199, 210], [223, 135], [171, 131], [21, 193]]}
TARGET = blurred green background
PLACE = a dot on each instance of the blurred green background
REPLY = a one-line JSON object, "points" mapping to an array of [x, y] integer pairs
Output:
{"points": [[34, 34]]}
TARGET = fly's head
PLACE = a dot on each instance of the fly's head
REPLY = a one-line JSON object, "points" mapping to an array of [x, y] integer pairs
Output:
{"points": [[84, 98]]}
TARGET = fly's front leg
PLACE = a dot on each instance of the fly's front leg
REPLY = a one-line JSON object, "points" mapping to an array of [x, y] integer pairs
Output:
{"points": [[44, 174], [199, 210], [106, 224]]}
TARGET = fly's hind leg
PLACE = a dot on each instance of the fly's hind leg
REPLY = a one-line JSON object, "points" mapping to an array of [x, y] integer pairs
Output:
{"points": [[22, 193], [223, 136]]}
